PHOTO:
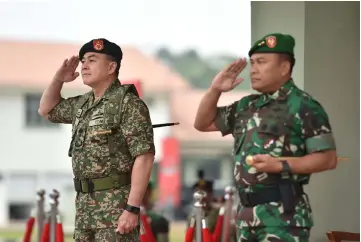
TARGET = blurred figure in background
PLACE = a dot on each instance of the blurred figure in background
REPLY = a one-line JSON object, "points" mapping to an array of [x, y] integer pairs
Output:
{"points": [[158, 223], [210, 212]]}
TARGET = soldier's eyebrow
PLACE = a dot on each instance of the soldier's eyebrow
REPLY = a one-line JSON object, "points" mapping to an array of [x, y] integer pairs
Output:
{"points": [[257, 59]]}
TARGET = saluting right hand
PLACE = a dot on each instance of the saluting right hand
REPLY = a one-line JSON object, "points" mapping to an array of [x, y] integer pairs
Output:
{"points": [[67, 71], [226, 80]]}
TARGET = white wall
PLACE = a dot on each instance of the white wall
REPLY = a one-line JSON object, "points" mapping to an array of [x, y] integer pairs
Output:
{"points": [[332, 75], [327, 66], [31, 158], [3, 203], [285, 17], [30, 149]]}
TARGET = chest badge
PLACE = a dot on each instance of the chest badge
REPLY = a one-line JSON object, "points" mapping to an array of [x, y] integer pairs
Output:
{"points": [[268, 143]]}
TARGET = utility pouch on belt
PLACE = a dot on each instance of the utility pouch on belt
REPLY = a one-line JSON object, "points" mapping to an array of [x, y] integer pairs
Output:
{"points": [[290, 193]]}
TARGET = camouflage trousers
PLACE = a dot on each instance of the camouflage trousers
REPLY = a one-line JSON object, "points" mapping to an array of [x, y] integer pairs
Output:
{"points": [[105, 235], [273, 234]]}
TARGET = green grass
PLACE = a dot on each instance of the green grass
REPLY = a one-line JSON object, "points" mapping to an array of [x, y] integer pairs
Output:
{"points": [[176, 234]]}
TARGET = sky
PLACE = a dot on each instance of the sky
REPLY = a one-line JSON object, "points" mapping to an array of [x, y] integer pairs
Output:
{"points": [[209, 26]]}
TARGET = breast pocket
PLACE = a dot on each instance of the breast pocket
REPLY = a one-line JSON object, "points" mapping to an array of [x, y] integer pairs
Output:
{"points": [[240, 131], [98, 144], [242, 121], [272, 136]]}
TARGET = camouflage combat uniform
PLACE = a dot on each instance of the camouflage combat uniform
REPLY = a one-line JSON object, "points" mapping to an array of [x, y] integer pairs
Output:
{"points": [[104, 159], [288, 123]]}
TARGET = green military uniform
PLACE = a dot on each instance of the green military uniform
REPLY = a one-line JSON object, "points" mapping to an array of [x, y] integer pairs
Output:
{"points": [[158, 223], [286, 123], [102, 160]]}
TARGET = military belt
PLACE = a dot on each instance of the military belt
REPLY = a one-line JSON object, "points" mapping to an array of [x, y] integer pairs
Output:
{"points": [[275, 193], [90, 185]]}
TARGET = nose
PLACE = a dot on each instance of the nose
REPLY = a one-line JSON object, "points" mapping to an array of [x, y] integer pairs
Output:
{"points": [[84, 66], [253, 69]]}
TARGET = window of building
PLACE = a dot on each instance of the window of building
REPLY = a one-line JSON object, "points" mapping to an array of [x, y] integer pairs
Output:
{"points": [[32, 117]]}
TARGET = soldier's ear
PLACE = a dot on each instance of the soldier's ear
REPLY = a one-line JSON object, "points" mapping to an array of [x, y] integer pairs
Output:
{"points": [[112, 67], [285, 68]]}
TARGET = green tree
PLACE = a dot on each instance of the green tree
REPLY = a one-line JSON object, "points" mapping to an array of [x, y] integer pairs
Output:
{"points": [[198, 70]]}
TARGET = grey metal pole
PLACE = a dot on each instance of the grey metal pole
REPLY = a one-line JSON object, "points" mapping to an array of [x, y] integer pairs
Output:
{"points": [[40, 214], [199, 204], [229, 192], [53, 214]]}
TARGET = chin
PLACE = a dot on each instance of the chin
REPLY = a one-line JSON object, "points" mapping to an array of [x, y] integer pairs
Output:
{"points": [[88, 81], [256, 87]]}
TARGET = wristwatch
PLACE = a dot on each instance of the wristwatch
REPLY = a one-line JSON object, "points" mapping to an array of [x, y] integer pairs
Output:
{"points": [[286, 170], [132, 209]]}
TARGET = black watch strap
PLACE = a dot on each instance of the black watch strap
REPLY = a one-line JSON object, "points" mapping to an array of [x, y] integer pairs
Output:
{"points": [[132, 209], [286, 170]]}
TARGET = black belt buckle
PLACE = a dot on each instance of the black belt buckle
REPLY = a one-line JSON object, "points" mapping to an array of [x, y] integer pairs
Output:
{"points": [[90, 185]]}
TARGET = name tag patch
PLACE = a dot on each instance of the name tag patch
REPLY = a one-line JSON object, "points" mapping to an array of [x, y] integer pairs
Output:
{"points": [[96, 122]]}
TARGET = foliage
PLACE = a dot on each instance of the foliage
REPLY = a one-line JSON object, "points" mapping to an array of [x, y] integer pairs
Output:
{"points": [[199, 70]]}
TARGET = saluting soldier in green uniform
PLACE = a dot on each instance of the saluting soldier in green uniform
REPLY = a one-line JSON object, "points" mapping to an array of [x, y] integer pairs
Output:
{"points": [[112, 146], [158, 223], [284, 129]]}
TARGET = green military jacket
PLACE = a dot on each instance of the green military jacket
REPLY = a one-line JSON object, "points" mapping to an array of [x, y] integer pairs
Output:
{"points": [[287, 123], [91, 155], [159, 226]]}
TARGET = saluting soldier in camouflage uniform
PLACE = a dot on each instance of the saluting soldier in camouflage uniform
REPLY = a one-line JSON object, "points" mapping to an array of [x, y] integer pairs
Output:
{"points": [[158, 223], [112, 145], [281, 121]]}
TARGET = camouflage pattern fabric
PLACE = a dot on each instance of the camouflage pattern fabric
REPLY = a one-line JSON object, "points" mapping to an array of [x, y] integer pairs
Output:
{"points": [[287, 123], [104, 235], [91, 158], [159, 226], [274, 234]]}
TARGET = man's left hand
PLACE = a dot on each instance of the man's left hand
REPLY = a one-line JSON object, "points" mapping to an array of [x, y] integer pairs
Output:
{"points": [[127, 222], [267, 163]]}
